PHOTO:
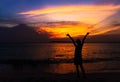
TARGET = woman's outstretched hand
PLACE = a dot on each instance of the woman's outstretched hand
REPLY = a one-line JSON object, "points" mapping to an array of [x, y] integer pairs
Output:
{"points": [[88, 33], [67, 35]]}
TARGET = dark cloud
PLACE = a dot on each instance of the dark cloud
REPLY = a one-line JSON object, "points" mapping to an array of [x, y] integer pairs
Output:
{"points": [[22, 33], [104, 38], [116, 24]]}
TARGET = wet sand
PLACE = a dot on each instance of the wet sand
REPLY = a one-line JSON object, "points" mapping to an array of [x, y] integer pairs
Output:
{"points": [[50, 77]]}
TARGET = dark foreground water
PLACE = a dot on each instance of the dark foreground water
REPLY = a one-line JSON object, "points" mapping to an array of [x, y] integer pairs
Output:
{"points": [[97, 57]]}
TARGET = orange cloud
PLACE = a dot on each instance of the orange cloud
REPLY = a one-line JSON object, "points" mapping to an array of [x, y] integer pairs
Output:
{"points": [[106, 30], [71, 8], [83, 13]]}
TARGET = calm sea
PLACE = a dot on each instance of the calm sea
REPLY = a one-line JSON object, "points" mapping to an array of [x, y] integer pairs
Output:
{"points": [[97, 57]]}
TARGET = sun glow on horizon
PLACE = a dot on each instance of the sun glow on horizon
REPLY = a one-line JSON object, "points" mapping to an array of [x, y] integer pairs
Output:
{"points": [[62, 30]]}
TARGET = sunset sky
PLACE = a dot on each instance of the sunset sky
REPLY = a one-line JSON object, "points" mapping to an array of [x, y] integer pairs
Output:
{"points": [[64, 16]]}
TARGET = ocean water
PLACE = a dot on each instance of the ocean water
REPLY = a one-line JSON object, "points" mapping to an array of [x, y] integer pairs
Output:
{"points": [[97, 57]]}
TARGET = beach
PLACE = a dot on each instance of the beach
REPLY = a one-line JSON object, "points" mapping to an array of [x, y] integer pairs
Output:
{"points": [[21, 76]]}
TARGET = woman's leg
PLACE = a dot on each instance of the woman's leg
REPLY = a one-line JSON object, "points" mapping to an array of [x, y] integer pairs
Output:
{"points": [[77, 71], [83, 71]]}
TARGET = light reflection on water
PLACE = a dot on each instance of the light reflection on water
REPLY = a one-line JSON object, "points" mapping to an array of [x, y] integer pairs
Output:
{"points": [[62, 68]]}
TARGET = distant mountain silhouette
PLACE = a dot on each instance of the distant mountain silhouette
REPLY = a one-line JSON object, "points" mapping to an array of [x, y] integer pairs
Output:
{"points": [[20, 33]]}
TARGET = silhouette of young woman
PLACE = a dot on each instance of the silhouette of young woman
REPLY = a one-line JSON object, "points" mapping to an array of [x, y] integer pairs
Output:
{"points": [[78, 54]]}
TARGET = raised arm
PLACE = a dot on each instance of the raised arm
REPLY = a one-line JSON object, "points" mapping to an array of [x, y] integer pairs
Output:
{"points": [[83, 40], [71, 39]]}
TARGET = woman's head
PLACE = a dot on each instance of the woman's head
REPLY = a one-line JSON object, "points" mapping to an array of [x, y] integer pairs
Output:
{"points": [[78, 41]]}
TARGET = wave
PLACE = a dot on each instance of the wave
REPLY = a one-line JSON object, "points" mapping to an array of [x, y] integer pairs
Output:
{"points": [[92, 60], [54, 60]]}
